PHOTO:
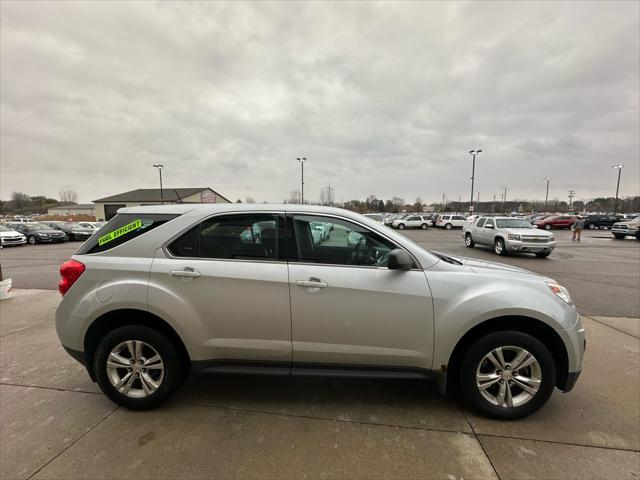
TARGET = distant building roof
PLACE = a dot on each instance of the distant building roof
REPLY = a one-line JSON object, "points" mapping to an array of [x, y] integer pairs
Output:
{"points": [[153, 195], [75, 206]]}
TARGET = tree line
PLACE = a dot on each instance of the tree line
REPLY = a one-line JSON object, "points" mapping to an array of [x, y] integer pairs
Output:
{"points": [[24, 204]]}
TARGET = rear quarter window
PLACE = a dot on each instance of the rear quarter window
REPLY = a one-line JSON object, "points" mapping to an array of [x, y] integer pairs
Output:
{"points": [[122, 228]]}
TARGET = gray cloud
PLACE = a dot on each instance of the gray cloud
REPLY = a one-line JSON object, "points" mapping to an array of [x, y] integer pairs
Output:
{"points": [[383, 98]]}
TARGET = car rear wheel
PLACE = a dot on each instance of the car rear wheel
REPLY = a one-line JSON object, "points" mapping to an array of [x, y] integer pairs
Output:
{"points": [[507, 375], [468, 241], [137, 367], [32, 240], [499, 247], [591, 226], [448, 226]]}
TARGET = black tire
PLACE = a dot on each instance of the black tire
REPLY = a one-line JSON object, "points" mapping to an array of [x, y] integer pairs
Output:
{"points": [[547, 226], [423, 226], [468, 241], [499, 247], [475, 354], [401, 226], [591, 226], [542, 254], [619, 236], [448, 226], [32, 239], [173, 368]]}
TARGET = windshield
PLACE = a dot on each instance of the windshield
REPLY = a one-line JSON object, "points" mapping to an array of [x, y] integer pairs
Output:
{"points": [[5, 229], [38, 226], [513, 223]]}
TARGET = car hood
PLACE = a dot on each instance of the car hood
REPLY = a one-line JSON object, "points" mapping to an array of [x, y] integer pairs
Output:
{"points": [[47, 231], [484, 265], [527, 231], [9, 234]]}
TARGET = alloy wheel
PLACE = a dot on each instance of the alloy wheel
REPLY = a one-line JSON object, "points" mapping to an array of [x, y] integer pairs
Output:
{"points": [[508, 376], [499, 247], [135, 369]]}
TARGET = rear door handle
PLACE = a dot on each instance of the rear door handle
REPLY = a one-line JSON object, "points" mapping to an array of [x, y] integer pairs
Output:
{"points": [[312, 283], [185, 272]]}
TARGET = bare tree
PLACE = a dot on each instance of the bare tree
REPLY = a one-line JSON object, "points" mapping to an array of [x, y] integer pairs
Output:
{"points": [[20, 199], [68, 196], [249, 200], [295, 197], [324, 196]]}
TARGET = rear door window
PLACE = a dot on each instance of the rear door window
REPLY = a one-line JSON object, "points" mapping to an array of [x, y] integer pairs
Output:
{"points": [[122, 228]]}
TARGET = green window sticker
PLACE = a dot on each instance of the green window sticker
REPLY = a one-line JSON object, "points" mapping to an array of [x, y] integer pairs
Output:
{"points": [[129, 227]]}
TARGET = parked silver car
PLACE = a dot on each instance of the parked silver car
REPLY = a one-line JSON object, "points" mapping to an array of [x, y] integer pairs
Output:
{"points": [[627, 228], [160, 290], [508, 235]]}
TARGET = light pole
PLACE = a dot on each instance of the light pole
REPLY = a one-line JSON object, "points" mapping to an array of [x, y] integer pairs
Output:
{"points": [[302, 160], [473, 154], [493, 207], [504, 200], [159, 166], [619, 168], [571, 194], [546, 196]]}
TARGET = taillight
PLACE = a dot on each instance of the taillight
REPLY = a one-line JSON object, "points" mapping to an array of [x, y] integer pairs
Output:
{"points": [[70, 271]]}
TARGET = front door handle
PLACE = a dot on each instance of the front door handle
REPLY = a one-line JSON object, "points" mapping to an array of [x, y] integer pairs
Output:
{"points": [[185, 272], [312, 283]]}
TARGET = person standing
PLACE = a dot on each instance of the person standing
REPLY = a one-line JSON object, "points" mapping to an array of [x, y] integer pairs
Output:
{"points": [[577, 227]]}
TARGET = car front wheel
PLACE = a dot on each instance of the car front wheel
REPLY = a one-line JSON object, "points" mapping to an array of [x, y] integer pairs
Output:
{"points": [[137, 367], [507, 375], [591, 226], [401, 226], [423, 226], [499, 247], [32, 240], [468, 241], [547, 227], [618, 236], [448, 226]]}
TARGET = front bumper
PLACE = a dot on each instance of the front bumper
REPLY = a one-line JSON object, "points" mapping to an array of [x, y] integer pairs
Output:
{"points": [[530, 247], [8, 242]]}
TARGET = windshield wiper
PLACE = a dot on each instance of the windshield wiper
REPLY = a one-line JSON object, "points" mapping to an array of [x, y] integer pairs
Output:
{"points": [[450, 260]]}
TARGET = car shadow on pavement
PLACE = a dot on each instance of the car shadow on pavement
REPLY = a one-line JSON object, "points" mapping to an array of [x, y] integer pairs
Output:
{"points": [[407, 403]]}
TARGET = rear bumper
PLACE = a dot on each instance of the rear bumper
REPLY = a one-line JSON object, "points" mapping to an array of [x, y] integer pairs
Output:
{"points": [[80, 357]]}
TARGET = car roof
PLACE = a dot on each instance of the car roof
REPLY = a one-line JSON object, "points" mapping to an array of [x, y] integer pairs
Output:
{"points": [[204, 208]]}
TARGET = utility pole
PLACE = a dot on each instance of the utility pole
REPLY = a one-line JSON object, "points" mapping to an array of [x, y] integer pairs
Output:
{"points": [[159, 166], [473, 154], [443, 203], [478, 203], [302, 160], [619, 168], [329, 188], [571, 193], [493, 207], [546, 196]]}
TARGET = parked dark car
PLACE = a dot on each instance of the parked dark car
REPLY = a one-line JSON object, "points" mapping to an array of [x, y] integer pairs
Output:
{"points": [[56, 225], [556, 221], [38, 233], [75, 231], [601, 221]]}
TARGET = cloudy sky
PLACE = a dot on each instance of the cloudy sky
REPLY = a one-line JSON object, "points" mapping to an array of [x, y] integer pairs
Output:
{"points": [[383, 98]]}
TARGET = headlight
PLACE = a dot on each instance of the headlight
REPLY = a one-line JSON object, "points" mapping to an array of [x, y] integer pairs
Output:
{"points": [[513, 236], [551, 238], [560, 292], [44, 235]]}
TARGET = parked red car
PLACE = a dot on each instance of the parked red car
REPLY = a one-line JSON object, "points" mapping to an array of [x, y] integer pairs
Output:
{"points": [[556, 221]]}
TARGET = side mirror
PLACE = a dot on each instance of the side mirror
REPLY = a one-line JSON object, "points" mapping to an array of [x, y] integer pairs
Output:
{"points": [[399, 260]]}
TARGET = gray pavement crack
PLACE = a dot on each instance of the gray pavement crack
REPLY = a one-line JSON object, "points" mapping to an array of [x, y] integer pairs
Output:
{"points": [[71, 444], [486, 454]]}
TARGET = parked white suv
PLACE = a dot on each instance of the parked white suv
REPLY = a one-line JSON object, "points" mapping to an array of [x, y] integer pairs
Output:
{"points": [[450, 221], [160, 290], [411, 221]]}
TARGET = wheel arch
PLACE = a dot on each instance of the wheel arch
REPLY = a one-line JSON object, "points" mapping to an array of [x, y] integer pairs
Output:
{"points": [[113, 319], [536, 328]]}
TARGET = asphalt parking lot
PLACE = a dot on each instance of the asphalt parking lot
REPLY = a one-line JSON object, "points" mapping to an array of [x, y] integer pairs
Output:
{"points": [[54, 423]]}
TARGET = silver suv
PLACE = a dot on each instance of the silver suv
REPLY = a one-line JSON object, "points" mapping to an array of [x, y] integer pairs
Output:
{"points": [[161, 290], [508, 235]]}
